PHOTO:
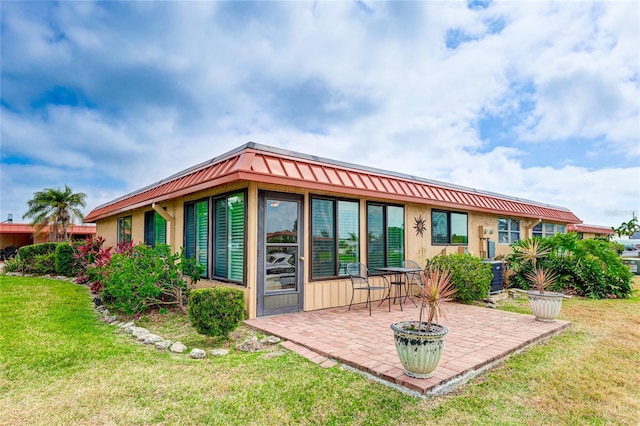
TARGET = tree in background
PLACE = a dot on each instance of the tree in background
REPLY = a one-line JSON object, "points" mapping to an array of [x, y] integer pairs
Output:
{"points": [[56, 209], [628, 228]]}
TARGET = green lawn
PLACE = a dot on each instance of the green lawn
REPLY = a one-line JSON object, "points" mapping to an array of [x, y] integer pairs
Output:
{"points": [[60, 365]]}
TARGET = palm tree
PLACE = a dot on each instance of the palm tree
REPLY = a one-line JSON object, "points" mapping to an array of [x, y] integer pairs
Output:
{"points": [[55, 208]]}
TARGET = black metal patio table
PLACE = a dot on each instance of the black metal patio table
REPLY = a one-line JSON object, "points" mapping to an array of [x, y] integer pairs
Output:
{"points": [[398, 282]]}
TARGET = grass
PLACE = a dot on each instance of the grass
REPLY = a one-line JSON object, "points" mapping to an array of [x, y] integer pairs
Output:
{"points": [[60, 365]]}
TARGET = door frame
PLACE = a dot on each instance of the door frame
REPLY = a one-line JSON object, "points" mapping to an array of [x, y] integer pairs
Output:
{"points": [[262, 249]]}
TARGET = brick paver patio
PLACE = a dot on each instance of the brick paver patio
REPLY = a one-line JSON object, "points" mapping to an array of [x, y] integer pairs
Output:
{"points": [[478, 339]]}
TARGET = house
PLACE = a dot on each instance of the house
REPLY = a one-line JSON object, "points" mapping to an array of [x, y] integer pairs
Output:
{"points": [[282, 225], [590, 231], [16, 235]]}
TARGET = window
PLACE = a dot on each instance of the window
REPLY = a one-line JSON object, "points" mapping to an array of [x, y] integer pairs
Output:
{"points": [[196, 232], [448, 227], [124, 229], [335, 236], [229, 237], [155, 229], [548, 229], [508, 231], [385, 235]]}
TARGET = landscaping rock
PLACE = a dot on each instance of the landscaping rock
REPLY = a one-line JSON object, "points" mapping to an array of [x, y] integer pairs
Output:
{"points": [[109, 319], [219, 352], [197, 353], [151, 339], [126, 324], [250, 345], [269, 340], [139, 332], [163, 345], [178, 348]]}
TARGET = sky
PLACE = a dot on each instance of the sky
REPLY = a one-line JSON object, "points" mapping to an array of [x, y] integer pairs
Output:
{"points": [[539, 100]]}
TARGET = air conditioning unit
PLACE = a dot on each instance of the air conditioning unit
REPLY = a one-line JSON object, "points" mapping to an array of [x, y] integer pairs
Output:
{"points": [[497, 284]]}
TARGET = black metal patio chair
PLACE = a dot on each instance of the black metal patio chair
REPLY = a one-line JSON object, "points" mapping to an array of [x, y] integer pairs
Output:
{"points": [[359, 275], [414, 279]]}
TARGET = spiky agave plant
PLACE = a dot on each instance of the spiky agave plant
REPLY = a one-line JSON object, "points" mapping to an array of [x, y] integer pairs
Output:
{"points": [[437, 289], [542, 278], [530, 250]]}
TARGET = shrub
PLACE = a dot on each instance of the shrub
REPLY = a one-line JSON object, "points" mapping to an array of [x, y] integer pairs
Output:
{"points": [[590, 267], [139, 277], [470, 275], [91, 262], [13, 265], [65, 260], [38, 258], [216, 311]]}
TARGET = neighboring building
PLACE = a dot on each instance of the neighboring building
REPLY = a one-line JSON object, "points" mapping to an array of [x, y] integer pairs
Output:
{"points": [[590, 231], [283, 225], [22, 234]]}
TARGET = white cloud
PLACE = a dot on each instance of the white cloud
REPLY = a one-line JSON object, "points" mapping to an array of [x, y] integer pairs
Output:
{"points": [[162, 86]]}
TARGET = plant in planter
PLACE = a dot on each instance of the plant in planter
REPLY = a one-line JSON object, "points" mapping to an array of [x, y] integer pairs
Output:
{"points": [[420, 343], [544, 305]]}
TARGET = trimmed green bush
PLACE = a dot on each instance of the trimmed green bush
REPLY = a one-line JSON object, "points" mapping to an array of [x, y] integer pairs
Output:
{"points": [[38, 258], [471, 277], [65, 260], [216, 311], [28, 253]]}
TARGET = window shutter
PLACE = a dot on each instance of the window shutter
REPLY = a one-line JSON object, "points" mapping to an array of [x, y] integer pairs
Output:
{"points": [[190, 230], [149, 229], [348, 232], [161, 229], [324, 242], [395, 235], [201, 233], [236, 209], [375, 244], [220, 242]]}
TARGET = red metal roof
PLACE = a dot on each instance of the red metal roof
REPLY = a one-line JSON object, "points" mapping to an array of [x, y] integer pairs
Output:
{"points": [[592, 229], [23, 228], [253, 162]]}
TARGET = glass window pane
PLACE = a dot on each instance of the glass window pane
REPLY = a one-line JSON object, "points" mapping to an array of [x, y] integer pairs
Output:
{"points": [[348, 234], [561, 229], [538, 228], [395, 235], [459, 228], [280, 264], [515, 225], [124, 229], [375, 238], [323, 238], [503, 237], [515, 236], [439, 228], [282, 221], [503, 224]]}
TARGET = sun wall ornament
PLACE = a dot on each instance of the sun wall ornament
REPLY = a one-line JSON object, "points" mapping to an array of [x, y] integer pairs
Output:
{"points": [[419, 225]]}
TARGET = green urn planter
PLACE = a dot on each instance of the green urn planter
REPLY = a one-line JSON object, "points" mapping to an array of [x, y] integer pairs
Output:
{"points": [[546, 306], [419, 351]]}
